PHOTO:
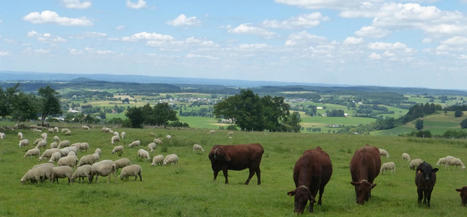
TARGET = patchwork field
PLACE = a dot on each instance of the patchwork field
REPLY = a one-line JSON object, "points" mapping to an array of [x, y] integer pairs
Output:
{"points": [[187, 189]]}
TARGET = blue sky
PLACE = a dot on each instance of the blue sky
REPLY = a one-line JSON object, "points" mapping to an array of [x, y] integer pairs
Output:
{"points": [[417, 43]]}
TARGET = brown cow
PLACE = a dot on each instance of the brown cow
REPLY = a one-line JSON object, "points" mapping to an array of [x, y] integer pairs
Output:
{"points": [[364, 168], [236, 157], [311, 173], [463, 194]]}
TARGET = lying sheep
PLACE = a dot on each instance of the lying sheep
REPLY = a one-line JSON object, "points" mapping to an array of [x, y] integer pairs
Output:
{"points": [[63, 130], [62, 172], [122, 135], [157, 160], [85, 127], [118, 149], [383, 152], [405, 156], [90, 158], [81, 173], [171, 159], [33, 152], [120, 163], [143, 154], [132, 170], [55, 156], [44, 135], [64, 143], [70, 160], [23, 142], [414, 163], [198, 148], [152, 146], [134, 144], [388, 166], [67, 132], [102, 168], [20, 135], [114, 140], [48, 152]]}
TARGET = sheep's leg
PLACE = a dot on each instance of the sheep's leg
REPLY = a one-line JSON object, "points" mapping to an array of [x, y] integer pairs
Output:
{"points": [[225, 171], [252, 172], [136, 176], [140, 177], [258, 175], [420, 195]]}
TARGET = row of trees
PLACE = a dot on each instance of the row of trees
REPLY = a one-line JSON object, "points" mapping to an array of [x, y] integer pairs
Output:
{"points": [[160, 114]]}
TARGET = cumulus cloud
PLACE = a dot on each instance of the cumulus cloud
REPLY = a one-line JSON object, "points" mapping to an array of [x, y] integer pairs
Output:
{"points": [[45, 37], [303, 38], [391, 51], [52, 17], [136, 5], [247, 28], [77, 4], [372, 32], [252, 46], [89, 50], [329, 4], [148, 36], [191, 56], [374, 56], [183, 20], [452, 45], [301, 21], [4, 53], [119, 27], [352, 41]]}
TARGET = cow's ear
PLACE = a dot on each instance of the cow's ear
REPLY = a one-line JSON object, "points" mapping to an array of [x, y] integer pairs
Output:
{"points": [[459, 190], [419, 171], [291, 193], [210, 156], [373, 185], [435, 170]]}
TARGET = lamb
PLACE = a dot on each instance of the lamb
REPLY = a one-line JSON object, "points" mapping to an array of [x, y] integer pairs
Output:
{"points": [[152, 146], [132, 170], [55, 156], [456, 162], [2, 135], [23, 142], [444, 160], [44, 135], [405, 156], [42, 143], [90, 158], [388, 166], [414, 163], [157, 160], [383, 152], [198, 148], [56, 129], [102, 168], [114, 139], [33, 152], [157, 141], [85, 127], [118, 149], [123, 134], [53, 145], [20, 135], [70, 160], [61, 172], [120, 163], [81, 173], [48, 152], [134, 143], [143, 154], [171, 159], [64, 143]]}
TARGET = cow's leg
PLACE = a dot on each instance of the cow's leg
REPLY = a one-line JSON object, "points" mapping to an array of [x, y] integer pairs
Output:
{"points": [[226, 175], [258, 175], [252, 172], [215, 174], [428, 197], [321, 192], [424, 196], [420, 195]]}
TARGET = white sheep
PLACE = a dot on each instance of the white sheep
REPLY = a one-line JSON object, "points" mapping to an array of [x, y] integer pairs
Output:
{"points": [[118, 149], [62, 172], [122, 162], [23, 142], [134, 144], [168, 136], [103, 168], [152, 146], [81, 173], [157, 141], [44, 165], [33, 152], [171, 159], [143, 154], [414, 163], [383, 152], [67, 133], [198, 148], [20, 135], [157, 160], [44, 135], [37, 141], [64, 143], [47, 153], [456, 162], [405, 156], [116, 134], [2, 135], [83, 146], [55, 156], [51, 130], [230, 133], [85, 127], [132, 170], [388, 166], [444, 160], [37, 173], [70, 160], [66, 150], [122, 135], [114, 140], [57, 139], [64, 130], [90, 158], [56, 129], [54, 144], [36, 131], [42, 143]]}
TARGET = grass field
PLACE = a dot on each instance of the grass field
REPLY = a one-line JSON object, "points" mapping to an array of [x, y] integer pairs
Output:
{"points": [[187, 189]]}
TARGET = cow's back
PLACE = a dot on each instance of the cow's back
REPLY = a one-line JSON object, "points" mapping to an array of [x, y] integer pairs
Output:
{"points": [[243, 155], [365, 164], [313, 163]]}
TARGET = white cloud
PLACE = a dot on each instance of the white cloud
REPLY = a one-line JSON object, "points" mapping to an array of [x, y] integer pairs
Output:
{"points": [[88, 50], [148, 36], [252, 46], [352, 41], [427, 40], [303, 38], [136, 5], [374, 56], [302, 21], [119, 27], [320, 4], [191, 56], [389, 46], [77, 4], [45, 37], [183, 20], [52, 17], [4, 53], [372, 32], [252, 30], [74, 51], [391, 51], [452, 45]]}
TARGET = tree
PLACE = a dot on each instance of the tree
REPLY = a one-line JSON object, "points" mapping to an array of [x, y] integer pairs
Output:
{"points": [[7, 99], [419, 124], [293, 122], [49, 103], [458, 113], [25, 107], [464, 124], [136, 117], [162, 113]]}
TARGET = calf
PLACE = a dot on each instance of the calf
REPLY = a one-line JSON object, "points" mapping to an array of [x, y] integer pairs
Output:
{"points": [[364, 168], [425, 179], [236, 157], [463, 194], [311, 173]]}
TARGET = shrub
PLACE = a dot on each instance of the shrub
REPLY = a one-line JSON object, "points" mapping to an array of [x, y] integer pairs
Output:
{"points": [[464, 124], [458, 113]]}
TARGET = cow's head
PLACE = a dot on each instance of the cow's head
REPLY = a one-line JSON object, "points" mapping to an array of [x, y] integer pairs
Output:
{"points": [[363, 190], [426, 171], [463, 194], [218, 154], [302, 195]]}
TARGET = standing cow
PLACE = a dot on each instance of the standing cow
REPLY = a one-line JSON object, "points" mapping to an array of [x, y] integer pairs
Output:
{"points": [[236, 157], [311, 173], [364, 168], [463, 193], [425, 179]]}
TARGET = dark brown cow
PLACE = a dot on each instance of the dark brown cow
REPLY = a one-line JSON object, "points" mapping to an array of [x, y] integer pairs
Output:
{"points": [[236, 157], [311, 173], [364, 168], [463, 194], [425, 179]]}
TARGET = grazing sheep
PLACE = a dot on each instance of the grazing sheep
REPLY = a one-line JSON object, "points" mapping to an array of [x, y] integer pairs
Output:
{"points": [[44, 165], [36, 174], [70, 160], [118, 149], [132, 170], [36, 131], [55, 156], [85, 127], [23, 142], [56, 129], [388, 166], [143, 154], [134, 144], [20, 135], [212, 131], [383, 152], [2, 135], [63, 130], [444, 160], [81, 173], [105, 129], [66, 150], [57, 139], [152, 146], [62, 172], [414, 163], [51, 130], [120, 163], [405, 156], [44, 135], [171, 159], [198, 148], [42, 143], [114, 139], [90, 158], [168, 136], [122, 135], [37, 141], [53, 145], [67, 133], [48, 153], [64, 143], [102, 168], [456, 162], [83, 146], [157, 160], [157, 141], [116, 134], [33, 152]]}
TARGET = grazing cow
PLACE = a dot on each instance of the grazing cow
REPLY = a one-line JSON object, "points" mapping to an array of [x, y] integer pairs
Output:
{"points": [[425, 179], [311, 173], [463, 194], [236, 157], [364, 168]]}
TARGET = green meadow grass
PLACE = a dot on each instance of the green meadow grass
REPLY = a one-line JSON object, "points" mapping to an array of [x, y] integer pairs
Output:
{"points": [[187, 189]]}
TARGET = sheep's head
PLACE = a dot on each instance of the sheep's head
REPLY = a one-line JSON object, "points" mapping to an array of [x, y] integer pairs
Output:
{"points": [[302, 195], [363, 190]]}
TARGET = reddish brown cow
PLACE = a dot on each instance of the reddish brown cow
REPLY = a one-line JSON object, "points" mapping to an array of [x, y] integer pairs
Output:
{"points": [[311, 173], [364, 168], [463, 194], [236, 157]]}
